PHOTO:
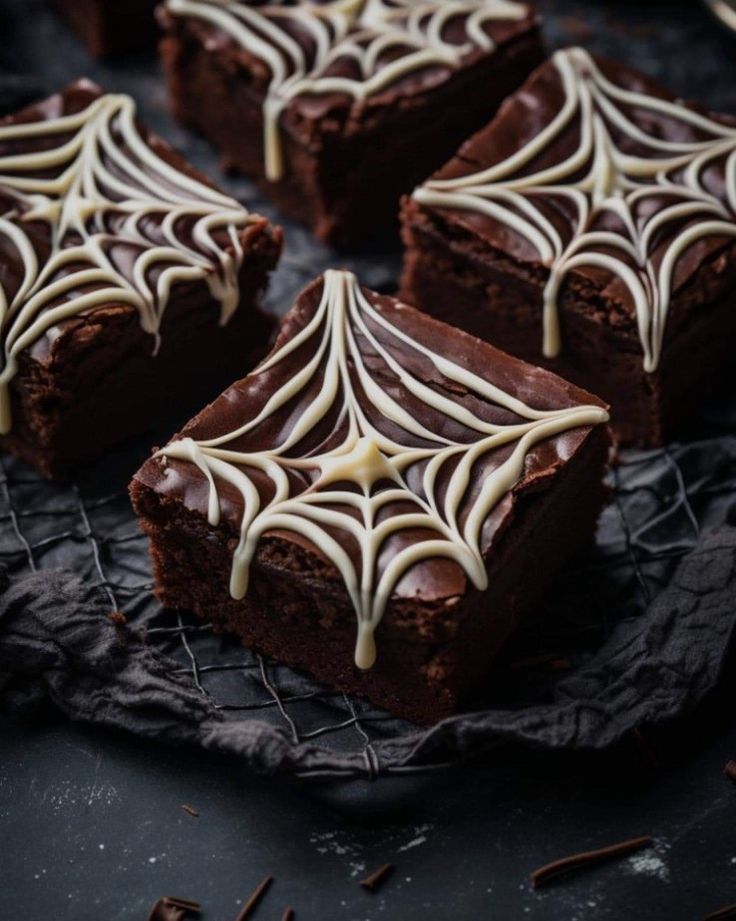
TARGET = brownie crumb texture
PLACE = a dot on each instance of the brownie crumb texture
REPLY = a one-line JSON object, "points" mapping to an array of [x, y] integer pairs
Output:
{"points": [[611, 206], [369, 468], [120, 263]]}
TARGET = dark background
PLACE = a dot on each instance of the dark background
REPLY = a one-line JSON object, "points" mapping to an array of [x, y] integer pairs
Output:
{"points": [[91, 825]]}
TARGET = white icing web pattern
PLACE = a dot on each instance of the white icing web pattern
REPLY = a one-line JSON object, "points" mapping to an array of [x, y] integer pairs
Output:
{"points": [[634, 215], [92, 217], [380, 41], [342, 491]]}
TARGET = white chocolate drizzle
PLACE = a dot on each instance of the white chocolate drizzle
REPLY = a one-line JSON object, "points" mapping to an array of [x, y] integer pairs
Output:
{"points": [[624, 204], [93, 186], [385, 40], [321, 495]]}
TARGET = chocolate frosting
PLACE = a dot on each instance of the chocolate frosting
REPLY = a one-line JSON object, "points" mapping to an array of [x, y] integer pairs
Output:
{"points": [[591, 168], [96, 212], [366, 400], [338, 57]]}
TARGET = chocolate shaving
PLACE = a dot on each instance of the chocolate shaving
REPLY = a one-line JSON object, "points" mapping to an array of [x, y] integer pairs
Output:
{"points": [[721, 914], [252, 903], [378, 877], [172, 908], [551, 871], [730, 770], [190, 810], [288, 914]]}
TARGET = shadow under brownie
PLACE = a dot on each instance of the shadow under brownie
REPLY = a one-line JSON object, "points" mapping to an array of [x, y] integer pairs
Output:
{"points": [[384, 465], [111, 27]]}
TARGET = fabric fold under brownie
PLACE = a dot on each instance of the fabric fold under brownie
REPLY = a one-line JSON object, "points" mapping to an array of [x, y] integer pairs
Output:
{"points": [[58, 643]]}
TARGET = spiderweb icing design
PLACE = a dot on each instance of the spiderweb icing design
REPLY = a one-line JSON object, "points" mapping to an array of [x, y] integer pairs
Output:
{"points": [[634, 214], [358, 47], [381, 473], [92, 217]]}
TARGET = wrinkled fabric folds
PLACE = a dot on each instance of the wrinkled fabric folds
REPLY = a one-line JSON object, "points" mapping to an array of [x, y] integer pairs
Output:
{"points": [[57, 646]]}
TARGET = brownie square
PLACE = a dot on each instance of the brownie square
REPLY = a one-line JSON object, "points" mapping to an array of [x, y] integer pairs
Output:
{"points": [[590, 227], [130, 284], [111, 27], [379, 466], [338, 108]]}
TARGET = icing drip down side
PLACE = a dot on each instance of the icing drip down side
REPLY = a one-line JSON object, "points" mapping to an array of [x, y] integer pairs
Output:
{"points": [[356, 47], [93, 217], [624, 204], [358, 467]]}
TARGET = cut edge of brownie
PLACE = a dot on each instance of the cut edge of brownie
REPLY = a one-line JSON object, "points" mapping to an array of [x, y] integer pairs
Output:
{"points": [[397, 143], [83, 377], [500, 300], [102, 374], [434, 652]]}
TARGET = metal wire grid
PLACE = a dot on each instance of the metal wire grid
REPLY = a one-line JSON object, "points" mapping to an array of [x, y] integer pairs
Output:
{"points": [[660, 500], [94, 532]]}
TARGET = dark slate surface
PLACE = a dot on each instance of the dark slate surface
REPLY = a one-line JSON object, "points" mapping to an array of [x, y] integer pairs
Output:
{"points": [[91, 824], [92, 830]]}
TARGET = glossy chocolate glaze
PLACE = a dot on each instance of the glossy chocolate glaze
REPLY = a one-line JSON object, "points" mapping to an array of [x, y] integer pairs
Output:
{"points": [[430, 579], [88, 194], [531, 110], [73, 99], [500, 31]]}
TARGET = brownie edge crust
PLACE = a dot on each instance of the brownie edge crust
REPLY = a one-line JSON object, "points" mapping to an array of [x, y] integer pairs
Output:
{"points": [[590, 227], [534, 501], [120, 265], [355, 127]]}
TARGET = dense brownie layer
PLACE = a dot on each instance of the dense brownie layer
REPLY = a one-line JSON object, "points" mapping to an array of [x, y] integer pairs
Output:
{"points": [[102, 383], [133, 285], [498, 300], [444, 619], [498, 233], [346, 156], [111, 27], [302, 620]]}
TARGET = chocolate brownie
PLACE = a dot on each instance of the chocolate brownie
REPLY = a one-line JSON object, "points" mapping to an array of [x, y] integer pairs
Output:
{"points": [[337, 108], [379, 466], [130, 285], [111, 27], [590, 227]]}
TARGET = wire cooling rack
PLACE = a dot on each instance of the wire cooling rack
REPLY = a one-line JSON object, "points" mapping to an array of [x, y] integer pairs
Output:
{"points": [[660, 501]]}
